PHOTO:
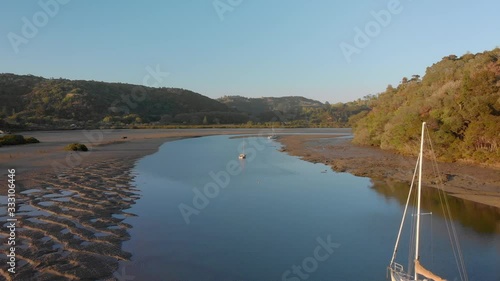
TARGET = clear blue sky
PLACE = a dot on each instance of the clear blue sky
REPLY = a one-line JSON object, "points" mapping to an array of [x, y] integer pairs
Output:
{"points": [[259, 48]]}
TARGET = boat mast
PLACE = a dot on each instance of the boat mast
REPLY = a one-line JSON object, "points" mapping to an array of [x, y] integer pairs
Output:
{"points": [[419, 192]]}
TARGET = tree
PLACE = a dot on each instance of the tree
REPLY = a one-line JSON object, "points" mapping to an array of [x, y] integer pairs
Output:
{"points": [[458, 98]]}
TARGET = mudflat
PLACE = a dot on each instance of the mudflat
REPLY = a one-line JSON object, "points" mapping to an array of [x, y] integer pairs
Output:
{"points": [[70, 205], [471, 182]]}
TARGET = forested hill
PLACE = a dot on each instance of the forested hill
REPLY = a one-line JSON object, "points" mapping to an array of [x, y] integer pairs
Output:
{"points": [[30, 102], [459, 98], [38, 102], [267, 108], [296, 111]]}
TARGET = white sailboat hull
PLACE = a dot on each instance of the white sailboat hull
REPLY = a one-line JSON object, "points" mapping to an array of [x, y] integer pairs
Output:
{"points": [[401, 276]]}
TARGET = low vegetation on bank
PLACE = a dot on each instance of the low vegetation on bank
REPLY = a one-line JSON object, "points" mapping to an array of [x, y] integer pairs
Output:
{"points": [[16, 139], [76, 147]]}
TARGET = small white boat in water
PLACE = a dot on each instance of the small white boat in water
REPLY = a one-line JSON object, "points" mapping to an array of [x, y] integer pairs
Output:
{"points": [[416, 271], [273, 135], [242, 154]]}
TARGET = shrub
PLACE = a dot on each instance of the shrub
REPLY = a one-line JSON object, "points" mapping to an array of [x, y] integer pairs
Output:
{"points": [[16, 139], [12, 140], [76, 147], [31, 140]]}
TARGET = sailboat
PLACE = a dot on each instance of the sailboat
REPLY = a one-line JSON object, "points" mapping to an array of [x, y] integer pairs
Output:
{"points": [[273, 134], [242, 155], [416, 271]]}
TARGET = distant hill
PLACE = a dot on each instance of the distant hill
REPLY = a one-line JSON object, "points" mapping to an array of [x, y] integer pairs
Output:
{"points": [[267, 109], [30, 102], [297, 111], [39, 102], [459, 98]]}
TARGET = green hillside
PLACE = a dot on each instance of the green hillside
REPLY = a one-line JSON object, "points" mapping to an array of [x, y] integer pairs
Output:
{"points": [[267, 109], [37, 102], [296, 111], [459, 98]]}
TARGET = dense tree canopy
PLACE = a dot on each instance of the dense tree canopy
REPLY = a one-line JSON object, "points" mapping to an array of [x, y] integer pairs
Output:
{"points": [[296, 111], [36, 101], [459, 98]]}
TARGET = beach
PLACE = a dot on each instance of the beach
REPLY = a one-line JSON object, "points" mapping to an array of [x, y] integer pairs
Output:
{"points": [[72, 204]]}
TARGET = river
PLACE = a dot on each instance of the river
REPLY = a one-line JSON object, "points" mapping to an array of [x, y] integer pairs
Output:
{"points": [[206, 215]]}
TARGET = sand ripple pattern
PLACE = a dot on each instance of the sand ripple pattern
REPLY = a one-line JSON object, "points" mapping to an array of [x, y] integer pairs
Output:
{"points": [[70, 225]]}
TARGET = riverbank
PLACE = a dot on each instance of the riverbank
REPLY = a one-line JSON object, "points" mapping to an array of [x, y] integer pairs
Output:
{"points": [[70, 205], [469, 182]]}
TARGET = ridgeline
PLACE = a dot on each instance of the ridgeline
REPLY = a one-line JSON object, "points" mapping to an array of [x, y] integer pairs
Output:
{"points": [[37, 103], [296, 111]]}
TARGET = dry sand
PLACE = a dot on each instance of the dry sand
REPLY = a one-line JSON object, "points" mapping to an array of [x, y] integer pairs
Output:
{"points": [[470, 182]]}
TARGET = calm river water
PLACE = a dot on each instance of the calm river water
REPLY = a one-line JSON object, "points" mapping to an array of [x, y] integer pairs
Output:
{"points": [[206, 215]]}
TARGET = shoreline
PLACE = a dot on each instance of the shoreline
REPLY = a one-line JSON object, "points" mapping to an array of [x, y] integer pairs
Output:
{"points": [[71, 221], [474, 183]]}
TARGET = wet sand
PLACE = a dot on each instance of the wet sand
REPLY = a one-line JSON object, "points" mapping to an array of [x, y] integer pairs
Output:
{"points": [[465, 181], [71, 204]]}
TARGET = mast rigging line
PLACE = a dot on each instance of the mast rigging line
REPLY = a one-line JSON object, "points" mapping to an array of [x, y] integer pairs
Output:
{"points": [[452, 233]]}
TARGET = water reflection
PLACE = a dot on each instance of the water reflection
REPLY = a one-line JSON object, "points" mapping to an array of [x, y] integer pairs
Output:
{"points": [[270, 216], [481, 218]]}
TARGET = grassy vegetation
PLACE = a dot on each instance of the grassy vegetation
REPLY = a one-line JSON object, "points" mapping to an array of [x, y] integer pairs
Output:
{"points": [[459, 98], [76, 147]]}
